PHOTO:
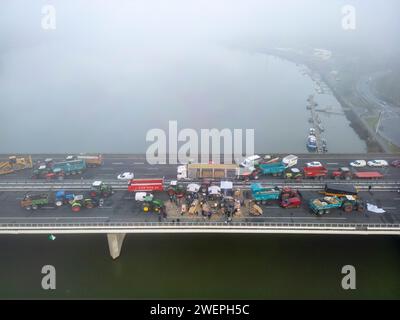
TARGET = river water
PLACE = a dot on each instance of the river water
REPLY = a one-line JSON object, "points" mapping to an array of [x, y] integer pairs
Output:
{"points": [[201, 266]]}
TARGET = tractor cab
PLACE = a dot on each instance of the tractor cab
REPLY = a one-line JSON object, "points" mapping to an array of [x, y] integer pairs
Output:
{"points": [[100, 189]]}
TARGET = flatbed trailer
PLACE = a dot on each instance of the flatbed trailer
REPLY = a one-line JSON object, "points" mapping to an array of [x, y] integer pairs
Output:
{"points": [[340, 190], [367, 175], [145, 185], [210, 171]]}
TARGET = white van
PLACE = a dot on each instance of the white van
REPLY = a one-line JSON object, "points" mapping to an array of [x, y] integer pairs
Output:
{"points": [[290, 160], [250, 161]]}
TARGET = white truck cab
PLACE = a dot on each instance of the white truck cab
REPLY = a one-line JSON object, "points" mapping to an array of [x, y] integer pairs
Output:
{"points": [[250, 161], [181, 172], [290, 160]]}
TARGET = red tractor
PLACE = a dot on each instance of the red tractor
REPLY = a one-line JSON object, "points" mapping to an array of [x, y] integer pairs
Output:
{"points": [[290, 198]]}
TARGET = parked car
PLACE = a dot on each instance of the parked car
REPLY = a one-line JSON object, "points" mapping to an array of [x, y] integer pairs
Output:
{"points": [[358, 163], [378, 163], [314, 164], [126, 176], [395, 163]]}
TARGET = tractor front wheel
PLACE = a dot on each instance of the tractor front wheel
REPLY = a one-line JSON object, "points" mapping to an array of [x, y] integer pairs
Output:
{"points": [[76, 208]]}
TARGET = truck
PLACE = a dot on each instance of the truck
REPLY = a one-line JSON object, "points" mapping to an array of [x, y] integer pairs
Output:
{"points": [[347, 174], [348, 203], [15, 163], [207, 170], [146, 185], [92, 161], [319, 172], [59, 169], [340, 190], [290, 198], [264, 195]]}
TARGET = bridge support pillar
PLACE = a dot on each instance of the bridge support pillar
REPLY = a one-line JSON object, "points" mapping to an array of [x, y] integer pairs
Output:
{"points": [[115, 241]]}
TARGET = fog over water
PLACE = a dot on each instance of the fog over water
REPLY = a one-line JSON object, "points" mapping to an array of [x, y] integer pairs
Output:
{"points": [[113, 70]]}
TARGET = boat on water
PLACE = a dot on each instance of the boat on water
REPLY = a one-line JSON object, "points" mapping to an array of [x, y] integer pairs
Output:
{"points": [[311, 143]]}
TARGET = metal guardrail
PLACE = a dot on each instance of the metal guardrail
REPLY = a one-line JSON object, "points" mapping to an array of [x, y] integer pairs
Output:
{"points": [[201, 224]]}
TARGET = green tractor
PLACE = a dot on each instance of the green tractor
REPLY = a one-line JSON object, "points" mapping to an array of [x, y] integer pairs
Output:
{"points": [[176, 189], [150, 204], [101, 190], [80, 201]]}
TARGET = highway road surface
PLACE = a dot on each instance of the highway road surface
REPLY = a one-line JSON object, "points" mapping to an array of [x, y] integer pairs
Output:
{"points": [[120, 209]]}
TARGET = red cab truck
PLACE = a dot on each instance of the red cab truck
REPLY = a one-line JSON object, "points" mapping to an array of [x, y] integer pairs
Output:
{"points": [[141, 185]]}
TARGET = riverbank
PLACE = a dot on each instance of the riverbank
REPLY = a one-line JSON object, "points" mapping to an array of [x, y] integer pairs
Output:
{"points": [[362, 129]]}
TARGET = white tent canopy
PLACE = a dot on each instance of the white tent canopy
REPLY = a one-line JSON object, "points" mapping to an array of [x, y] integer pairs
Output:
{"points": [[193, 187]]}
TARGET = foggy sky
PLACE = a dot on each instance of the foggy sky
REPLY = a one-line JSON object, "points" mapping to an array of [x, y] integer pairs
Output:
{"points": [[111, 55]]}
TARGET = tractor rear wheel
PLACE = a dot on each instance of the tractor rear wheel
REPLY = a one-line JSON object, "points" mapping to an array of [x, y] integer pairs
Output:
{"points": [[35, 207], [146, 208], [347, 208], [59, 203], [29, 208], [320, 212], [89, 205]]}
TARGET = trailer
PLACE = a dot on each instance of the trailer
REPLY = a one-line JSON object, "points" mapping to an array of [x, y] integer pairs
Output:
{"points": [[319, 172], [275, 169], [347, 174], [264, 194], [59, 169], [321, 206], [145, 185], [15, 163], [37, 201], [92, 161], [209, 171], [368, 175], [340, 190]]}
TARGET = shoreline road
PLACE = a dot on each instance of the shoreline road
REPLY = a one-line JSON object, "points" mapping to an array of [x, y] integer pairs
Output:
{"points": [[388, 124]]}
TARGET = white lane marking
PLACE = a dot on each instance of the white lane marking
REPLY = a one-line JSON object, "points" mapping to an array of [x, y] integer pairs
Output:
{"points": [[117, 163], [107, 169], [389, 208], [138, 163], [333, 163]]}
